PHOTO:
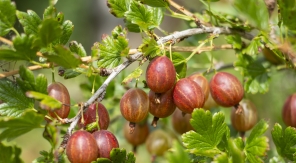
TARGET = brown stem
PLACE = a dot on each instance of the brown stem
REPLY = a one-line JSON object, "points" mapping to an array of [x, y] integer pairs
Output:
{"points": [[154, 121], [132, 126], [135, 149], [198, 22], [242, 135], [238, 109]]}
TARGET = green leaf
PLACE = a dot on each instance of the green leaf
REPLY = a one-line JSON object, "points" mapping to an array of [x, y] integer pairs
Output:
{"points": [[14, 127], [209, 132], [77, 48], [112, 49], [131, 27], [180, 65], [27, 81], [7, 16], [231, 20], [30, 21], [254, 46], [156, 3], [46, 100], [15, 101], [149, 47], [285, 141], [257, 77], [67, 30], [256, 144], [235, 41], [236, 151], [130, 158], [72, 73], [134, 75], [118, 8], [255, 11], [63, 57], [10, 154], [49, 31], [50, 133], [146, 17], [24, 46], [50, 12], [102, 160], [177, 154], [287, 10], [118, 155], [221, 158], [47, 157], [10, 55]]}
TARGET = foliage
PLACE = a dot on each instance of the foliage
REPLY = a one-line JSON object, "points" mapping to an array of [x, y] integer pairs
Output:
{"points": [[249, 28]]}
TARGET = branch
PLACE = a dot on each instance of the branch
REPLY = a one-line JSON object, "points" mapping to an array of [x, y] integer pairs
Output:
{"points": [[202, 49], [198, 22]]}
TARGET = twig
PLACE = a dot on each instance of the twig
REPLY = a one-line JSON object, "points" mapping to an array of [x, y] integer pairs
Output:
{"points": [[199, 23], [202, 49], [6, 41]]}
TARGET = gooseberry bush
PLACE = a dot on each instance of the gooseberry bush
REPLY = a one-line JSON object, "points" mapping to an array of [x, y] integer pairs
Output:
{"points": [[198, 87]]}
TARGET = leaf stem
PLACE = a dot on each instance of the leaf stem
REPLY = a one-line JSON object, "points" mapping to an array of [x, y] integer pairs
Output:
{"points": [[15, 31]]}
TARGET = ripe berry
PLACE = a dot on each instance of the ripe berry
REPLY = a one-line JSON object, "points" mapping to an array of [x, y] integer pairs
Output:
{"points": [[181, 124], [161, 105], [82, 148], [202, 82], [59, 92], [138, 137], [245, 120], [289, 111], [160, 74], [134, 106], [226, 89], [90, 116], [158, 142], [188, 95], [105, 141]]}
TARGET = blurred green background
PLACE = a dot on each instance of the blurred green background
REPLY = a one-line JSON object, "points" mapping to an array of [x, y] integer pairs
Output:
{"points": [[92, 19]]}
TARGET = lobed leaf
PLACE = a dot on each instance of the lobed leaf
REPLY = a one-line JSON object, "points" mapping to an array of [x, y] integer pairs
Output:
{"points": [[24, 46], [14, 127], [156, 3], [149, 47], [30, 22], [179, 64], [112, 49], [67, 30], [28, 82], [209, 132], [118, 8], [285, 141], [77, 48], [256, 144], [63, 57], [10, 154], [7, 16], [50, 12], [15, 101], [145, 17], [257, 77], [48, 31]]}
